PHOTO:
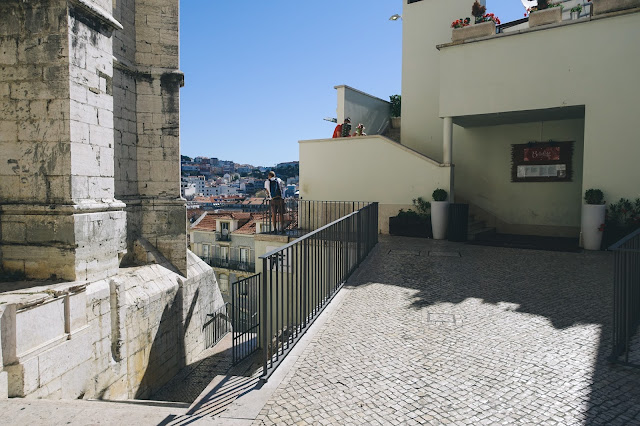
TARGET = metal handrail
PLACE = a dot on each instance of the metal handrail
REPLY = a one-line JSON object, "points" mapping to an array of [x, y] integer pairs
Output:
{"points": [[626, 296], [618, 245], [300, 278]]}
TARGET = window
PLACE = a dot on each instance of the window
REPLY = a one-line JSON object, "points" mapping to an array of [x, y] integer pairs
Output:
{"points": [[224, 253], [224, 283], [205, 251], [244, 254]]}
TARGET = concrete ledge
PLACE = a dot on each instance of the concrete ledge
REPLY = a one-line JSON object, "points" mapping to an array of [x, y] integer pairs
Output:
{"points": [[97, 12]]}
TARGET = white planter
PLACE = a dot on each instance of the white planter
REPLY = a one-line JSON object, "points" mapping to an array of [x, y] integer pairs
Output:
{"points": [[592, 220], [606, 6], [395, 122], [551, 15], [483, 29], [439, 219]]}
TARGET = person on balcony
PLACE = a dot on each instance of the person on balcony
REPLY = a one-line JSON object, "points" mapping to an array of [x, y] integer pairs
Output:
{"points": [[343, 130], [274, 186]]}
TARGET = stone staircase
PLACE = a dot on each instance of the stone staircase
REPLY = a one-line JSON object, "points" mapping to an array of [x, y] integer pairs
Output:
{"points": [[477, 229]]}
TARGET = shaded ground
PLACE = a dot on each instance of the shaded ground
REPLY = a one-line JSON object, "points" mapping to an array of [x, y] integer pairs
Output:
{"points": [[531, 242], [437, 332]]}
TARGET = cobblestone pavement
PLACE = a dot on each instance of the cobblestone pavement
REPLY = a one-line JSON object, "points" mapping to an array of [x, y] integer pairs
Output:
{"points": [[433, 332]]}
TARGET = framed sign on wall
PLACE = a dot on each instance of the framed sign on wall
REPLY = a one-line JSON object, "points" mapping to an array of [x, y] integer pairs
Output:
{"points": [[542, 162]]}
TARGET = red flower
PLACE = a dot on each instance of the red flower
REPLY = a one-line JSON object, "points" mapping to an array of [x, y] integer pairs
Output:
{"points": [[601, 228]]}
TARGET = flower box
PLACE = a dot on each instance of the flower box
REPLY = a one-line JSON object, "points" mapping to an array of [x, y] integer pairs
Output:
{"points": [[546, 16], [606, 6], [483, 29], [409, 226]]}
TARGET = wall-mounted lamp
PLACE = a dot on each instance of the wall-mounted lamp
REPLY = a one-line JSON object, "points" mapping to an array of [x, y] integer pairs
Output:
{"points": [[395, 17]]}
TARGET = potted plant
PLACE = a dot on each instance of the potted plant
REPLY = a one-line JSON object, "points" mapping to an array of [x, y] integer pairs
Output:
{"points": [[439, 214], [485, 24], [593, 214], [606, 6], [621, 219], [396, 103], [545, 13], [412, 223], [575, 11]]}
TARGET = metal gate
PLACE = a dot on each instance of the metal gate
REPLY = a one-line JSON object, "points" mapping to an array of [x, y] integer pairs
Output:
{"points": [[245, 316], [217, 326]]}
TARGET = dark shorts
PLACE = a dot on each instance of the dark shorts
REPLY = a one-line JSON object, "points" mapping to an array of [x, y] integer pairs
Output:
{"points": [[277, 205]]}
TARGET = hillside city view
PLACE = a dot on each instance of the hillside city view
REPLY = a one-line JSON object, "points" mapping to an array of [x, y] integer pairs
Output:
{"points": [[367, 212]]}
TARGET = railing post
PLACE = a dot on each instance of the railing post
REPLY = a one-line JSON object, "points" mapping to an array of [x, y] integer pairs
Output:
{"points": [[264, 320]]}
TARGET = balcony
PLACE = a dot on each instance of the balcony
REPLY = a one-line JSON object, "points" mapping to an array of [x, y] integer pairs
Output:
{"points": [[236, 265], [225, 235], [304, 216]]}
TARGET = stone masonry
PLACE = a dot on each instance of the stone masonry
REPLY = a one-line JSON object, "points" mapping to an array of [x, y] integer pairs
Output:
{"points": [[110, 303]]}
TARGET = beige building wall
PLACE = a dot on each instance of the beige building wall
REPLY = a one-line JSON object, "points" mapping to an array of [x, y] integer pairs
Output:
{"points": [[483, 178], [371, 168], [547, 71], [424, 25]]}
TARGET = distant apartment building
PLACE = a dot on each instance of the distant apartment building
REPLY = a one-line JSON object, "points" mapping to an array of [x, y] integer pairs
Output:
{"points": [[226, 241]]}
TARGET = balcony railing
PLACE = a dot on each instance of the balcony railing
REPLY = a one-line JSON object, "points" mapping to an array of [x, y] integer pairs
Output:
{"points": [[236, 265], [300, 278], [222, 236], [626, 297], [304, 216]]}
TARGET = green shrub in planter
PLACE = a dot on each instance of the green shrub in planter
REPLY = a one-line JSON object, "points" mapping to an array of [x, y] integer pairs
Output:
{"points": [[593, 196], [622, 218], [412, 223], [439, 195], [396, 105]]}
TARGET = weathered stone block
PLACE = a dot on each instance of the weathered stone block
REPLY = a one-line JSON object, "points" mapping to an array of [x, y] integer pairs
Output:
{"points": [[23, 378], [50, 229], [39, 325], [13, 232], [4, 385], [77, 311], [8, 133], [85, 159], [56, 361], [8, 51]]}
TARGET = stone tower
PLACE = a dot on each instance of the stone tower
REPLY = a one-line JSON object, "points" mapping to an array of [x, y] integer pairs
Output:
{"points": [[89, 137]]}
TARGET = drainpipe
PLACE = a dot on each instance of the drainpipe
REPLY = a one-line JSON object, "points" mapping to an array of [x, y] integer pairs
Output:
{"points": [[447, 151]]}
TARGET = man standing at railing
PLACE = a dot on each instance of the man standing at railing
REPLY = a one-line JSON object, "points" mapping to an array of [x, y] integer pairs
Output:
{"points": [[275, 192]]}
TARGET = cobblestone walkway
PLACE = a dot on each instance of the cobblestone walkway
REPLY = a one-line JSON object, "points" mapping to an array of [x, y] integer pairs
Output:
{"points": [[433, 332]]}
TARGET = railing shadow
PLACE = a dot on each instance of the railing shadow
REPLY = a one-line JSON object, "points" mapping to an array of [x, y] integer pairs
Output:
{"points": [[567, 289]]}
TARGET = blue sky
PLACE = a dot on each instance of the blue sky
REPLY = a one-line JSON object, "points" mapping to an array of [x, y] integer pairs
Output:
{"points": [[260, 75]]}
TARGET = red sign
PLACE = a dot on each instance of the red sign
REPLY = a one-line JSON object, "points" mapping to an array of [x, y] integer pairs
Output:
{"points": [[550, 153]]}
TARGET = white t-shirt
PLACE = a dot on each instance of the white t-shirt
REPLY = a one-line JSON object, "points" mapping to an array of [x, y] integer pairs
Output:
{"points": [[267, 186]]}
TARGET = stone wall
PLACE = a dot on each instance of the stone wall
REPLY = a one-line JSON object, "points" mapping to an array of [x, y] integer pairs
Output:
{"points": [[90, 202], [117, 338], [59, 217]]}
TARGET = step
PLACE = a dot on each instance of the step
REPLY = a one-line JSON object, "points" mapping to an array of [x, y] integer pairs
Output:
{"points": [[480, 234], [475, 225]]}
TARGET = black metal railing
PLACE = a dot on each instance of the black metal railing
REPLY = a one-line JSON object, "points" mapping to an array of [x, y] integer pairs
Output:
{"points": [[217, 325], [222, 236], [245, 300], [303, 216], [626, 296], [236, 265], [300, 278], [235, 258]]}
